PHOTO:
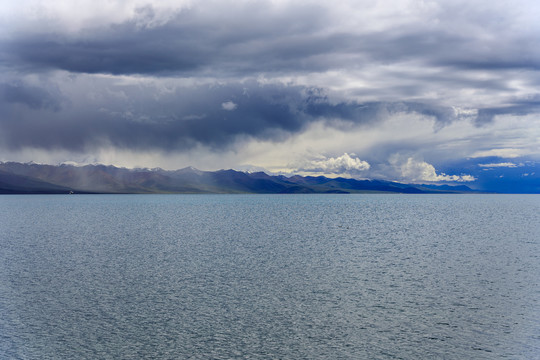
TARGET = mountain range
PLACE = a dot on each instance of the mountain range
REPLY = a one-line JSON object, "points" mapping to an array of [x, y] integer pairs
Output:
{"points": [[31, 178]]}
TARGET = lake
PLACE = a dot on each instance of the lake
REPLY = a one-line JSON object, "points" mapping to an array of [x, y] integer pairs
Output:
{"points": [[269, 276]]}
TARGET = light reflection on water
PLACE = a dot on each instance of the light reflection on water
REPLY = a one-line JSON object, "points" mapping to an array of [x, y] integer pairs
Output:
{"points": [[270, 276]]}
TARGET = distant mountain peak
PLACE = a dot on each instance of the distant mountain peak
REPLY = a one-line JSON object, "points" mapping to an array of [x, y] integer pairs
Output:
{"points": [[189, 169]]}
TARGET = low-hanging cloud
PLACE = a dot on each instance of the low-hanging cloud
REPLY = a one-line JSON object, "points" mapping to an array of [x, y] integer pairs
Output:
{"points": [[413, 170]]}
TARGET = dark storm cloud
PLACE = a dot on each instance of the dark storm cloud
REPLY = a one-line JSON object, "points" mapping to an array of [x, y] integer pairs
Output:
{"points": [[181, 119], [318, 105], [520, 108], [137, 117], [249, 38], [257, 37], [190, 45]]}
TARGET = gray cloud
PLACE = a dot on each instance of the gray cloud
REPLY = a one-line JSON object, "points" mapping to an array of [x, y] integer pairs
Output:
{"points": [[519, 108], [251, 38], [31, 96], [138, 116], [259, 37], [137, 119], [89, 113]]}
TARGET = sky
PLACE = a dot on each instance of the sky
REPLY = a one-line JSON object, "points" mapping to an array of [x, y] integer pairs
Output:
{"points": [[439, 92]]}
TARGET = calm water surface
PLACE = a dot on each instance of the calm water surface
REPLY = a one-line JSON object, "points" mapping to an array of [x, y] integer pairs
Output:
{"points": [[270, 277]]}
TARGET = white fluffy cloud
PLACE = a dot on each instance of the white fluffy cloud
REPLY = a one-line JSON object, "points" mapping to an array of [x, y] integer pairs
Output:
{"points": [[341, 165], [415, 171], [229, 106]]}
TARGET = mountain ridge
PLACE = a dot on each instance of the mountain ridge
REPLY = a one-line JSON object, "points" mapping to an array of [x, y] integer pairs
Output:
{"points": [[30, 178]]}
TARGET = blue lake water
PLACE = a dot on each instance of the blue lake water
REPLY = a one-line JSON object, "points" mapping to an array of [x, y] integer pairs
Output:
{"points": [[270, 276]]}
